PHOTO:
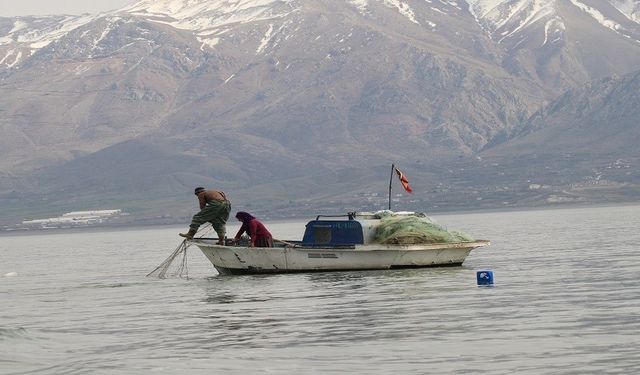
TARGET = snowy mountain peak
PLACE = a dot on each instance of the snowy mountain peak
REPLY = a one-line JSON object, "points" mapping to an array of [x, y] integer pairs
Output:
{"points": [[512, 23], [208, 19], [28, 34], [629, 9], [504, 19], [199, 14]]}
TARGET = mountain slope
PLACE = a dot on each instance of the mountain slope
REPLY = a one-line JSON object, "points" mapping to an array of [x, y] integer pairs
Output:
{"points": [[273, 99], [119, 77], [603, 116]]}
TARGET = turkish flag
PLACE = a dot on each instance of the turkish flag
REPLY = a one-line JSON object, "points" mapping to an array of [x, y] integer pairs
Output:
{"points": [[404, 181]]}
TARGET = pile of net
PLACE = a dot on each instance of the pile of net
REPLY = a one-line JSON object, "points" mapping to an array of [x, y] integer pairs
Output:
{"points": [[415, 229]]}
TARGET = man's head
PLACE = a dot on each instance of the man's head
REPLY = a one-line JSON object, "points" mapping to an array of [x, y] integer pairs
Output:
{"points": [[198, 190]]}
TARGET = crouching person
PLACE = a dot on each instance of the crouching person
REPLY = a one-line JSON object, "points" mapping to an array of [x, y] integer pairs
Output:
{"points": [[260, 236], [215, 209]]}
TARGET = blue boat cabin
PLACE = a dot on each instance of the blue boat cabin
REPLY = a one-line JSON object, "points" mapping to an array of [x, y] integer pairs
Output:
{"points": [[333, 233]]}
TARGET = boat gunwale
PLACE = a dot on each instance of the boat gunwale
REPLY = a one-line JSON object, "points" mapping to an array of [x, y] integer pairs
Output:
{"points": [[202, 242]]}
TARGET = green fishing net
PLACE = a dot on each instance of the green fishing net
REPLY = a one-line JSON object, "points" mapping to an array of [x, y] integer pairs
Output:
{"points": [[407, 230]]}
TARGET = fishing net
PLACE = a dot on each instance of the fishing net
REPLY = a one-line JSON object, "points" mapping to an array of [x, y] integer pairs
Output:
{"points": [[415, 229], [179, 269]]}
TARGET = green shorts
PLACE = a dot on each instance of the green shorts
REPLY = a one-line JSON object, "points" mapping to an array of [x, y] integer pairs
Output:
{"points": [[216, 213]]}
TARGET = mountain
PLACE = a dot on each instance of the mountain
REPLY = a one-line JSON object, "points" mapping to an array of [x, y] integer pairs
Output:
{"points": [[603, 115], [287, 103], [563, 43], [581, 148]]}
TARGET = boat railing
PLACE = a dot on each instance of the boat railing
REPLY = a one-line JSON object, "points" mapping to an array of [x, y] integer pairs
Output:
{"points": [[350, 215]]}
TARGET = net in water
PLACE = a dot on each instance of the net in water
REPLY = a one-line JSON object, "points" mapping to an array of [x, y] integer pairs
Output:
{"points": [[168, 267], [178, 269]]}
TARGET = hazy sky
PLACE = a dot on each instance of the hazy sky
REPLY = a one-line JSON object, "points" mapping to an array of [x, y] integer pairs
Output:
{"points": [[47, 7]]}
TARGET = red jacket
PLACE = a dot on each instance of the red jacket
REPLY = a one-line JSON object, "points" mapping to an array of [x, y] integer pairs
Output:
{"points": [[255, 229]]}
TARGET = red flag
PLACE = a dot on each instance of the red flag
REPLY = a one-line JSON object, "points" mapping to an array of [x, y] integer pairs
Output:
{"points": [[404, 181]]}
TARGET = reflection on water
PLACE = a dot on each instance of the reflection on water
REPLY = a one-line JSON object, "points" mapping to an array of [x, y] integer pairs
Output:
{"points": [[566, 300]]}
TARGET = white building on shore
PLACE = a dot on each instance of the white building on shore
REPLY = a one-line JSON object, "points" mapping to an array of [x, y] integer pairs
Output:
{"points": [[74, 219]]}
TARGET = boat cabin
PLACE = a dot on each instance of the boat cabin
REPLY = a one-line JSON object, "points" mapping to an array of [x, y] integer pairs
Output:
{"points": [[332, 232]]}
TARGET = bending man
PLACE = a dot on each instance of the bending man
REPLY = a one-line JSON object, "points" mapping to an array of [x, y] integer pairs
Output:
{"points": [[214, 208]]}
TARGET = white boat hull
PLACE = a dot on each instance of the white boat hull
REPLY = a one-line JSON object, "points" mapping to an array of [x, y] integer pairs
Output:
{"points": [[243, 260]]}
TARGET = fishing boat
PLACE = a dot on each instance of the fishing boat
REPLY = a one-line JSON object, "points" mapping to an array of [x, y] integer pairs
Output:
{"points": [[333, 243]]}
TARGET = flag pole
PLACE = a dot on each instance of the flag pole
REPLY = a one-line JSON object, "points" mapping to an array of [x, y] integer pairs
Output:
{"points": [[390, 180]]}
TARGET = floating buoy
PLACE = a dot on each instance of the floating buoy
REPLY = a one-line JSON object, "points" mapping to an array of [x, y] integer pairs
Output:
{"points": [[485, 277]]}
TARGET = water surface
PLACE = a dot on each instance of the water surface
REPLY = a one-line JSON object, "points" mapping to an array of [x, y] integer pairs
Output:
{"points": [[566, 301]]}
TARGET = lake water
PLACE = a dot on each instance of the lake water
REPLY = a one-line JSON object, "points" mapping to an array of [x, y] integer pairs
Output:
{"points": [[566, 300]]}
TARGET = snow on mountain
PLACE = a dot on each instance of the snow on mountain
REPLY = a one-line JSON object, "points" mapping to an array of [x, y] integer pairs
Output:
{"points": [[503, 19], [210, 19], [39, 32], [29, 34], [360, 4], [207, 19], [403, 8], [514, 24], [630, 8]]}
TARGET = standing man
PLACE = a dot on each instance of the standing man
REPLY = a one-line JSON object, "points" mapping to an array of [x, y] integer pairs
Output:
{"points": [[214, 208]]}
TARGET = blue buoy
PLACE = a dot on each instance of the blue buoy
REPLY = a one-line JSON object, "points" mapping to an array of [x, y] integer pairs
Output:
{"points": [[485, 277]]}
